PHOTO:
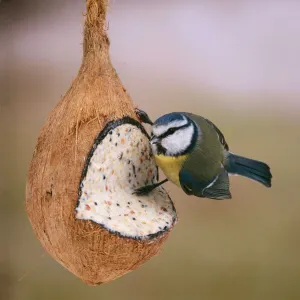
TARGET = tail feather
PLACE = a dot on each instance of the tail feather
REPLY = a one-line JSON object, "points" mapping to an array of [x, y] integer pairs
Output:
{"points": [[253, 169]]}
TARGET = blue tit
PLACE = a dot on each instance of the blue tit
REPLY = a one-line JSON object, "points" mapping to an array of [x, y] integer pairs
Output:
{"points": [[193, 154]]}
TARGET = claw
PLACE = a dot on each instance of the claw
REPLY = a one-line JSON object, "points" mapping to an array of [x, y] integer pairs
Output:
{"points": [[144, 190], [143, 117]]}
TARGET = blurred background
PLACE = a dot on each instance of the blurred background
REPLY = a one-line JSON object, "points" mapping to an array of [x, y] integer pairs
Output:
{"points": [[235, 62]]}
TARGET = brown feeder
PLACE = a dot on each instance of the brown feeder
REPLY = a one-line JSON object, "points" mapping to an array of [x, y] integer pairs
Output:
{"points": [[90, 156]]}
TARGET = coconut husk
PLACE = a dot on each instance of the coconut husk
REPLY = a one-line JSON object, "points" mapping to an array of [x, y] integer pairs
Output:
{"points": [[95, 98]]}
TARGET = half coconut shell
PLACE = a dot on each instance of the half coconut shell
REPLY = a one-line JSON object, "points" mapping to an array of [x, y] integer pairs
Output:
{"points": [[90, 156]]}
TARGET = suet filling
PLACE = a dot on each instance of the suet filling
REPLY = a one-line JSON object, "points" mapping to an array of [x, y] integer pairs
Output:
{"points": [[119, 162]]}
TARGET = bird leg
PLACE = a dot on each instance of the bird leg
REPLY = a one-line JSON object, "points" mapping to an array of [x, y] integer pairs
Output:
{"points": [[143, 116], [145, 190]]}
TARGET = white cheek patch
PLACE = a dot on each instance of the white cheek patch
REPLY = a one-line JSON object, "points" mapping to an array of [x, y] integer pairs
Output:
{"points": [[120, 161], [161, 129], [179, 141]]}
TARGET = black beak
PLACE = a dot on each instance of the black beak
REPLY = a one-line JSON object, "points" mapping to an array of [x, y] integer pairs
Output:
{"points": [[159, 148], [154, 140]]}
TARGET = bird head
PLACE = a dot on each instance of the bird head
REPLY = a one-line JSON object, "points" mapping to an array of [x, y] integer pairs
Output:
{"points": [[173, 134]]}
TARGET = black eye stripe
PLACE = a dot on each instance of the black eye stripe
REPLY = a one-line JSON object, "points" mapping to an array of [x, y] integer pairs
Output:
{"points": [[172, 130]]}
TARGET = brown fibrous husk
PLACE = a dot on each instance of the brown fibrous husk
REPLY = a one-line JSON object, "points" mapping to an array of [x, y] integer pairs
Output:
{"points": [[95, 97]]}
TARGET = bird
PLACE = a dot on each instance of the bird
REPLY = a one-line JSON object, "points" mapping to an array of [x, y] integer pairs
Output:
{"points": [[193, 154]]}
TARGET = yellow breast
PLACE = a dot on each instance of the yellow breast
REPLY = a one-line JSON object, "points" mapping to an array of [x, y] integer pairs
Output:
{"points": [[171, 166]]}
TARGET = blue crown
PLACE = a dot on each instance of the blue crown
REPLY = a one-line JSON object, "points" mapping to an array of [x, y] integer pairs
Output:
{"points": [[165, 119]]}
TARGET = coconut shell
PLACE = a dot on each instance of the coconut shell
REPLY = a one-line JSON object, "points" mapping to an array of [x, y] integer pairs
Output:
{"points": [[95, 98]]}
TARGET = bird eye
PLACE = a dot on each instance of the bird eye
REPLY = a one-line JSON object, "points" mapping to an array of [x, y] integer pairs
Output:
{"points": [[171, 130]]}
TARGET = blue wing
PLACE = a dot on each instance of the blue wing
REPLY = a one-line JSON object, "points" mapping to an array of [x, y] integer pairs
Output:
{"points": [[216, 188], [190, 184]]}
